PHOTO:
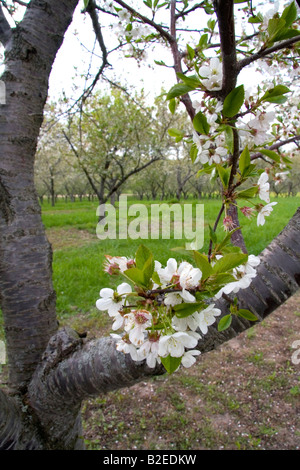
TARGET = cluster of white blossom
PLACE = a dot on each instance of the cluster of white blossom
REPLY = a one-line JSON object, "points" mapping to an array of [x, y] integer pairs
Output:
{"points": [[256, 130], [211, 75], [152, 331]]}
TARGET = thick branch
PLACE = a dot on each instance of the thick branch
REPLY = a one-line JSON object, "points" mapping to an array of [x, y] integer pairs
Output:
{"points": [[225, 14], [79, 370]]}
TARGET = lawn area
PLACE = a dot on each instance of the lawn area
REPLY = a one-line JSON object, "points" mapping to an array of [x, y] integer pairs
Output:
{"points": [[79, 254]]}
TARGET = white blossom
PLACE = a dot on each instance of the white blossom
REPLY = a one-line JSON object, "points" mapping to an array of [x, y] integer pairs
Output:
{"points": [[212, 74], [189, 276], [149, 351], [207, 317], [175, 344], [269, 15], [260, 125], [124, 15], [125, 346], [111, 300], [264, 187], [188, 359], [183, 324], [136, 323], [280, 176], [264, 212]]}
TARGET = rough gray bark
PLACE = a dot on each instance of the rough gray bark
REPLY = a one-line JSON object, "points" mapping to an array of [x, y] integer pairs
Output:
{"points": [[27, 296]]}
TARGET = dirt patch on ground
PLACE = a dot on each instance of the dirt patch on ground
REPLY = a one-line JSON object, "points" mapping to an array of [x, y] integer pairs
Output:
{"points": [[245, 395], [61, 238]]}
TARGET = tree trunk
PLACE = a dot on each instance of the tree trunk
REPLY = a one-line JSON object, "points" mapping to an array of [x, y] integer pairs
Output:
{"points": [[27, 296]]}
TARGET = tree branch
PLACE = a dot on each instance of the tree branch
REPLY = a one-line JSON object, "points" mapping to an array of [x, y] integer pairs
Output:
{"points": [[276, 146], [265, 52], [185, 99], [91, 10], [146, 20], [82, 370], [225, 13]]}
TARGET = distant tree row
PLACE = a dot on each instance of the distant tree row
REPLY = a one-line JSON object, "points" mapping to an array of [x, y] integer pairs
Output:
{"points": [[113, 144]]}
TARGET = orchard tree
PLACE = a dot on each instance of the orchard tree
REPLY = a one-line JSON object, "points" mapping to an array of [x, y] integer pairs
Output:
{"points": [[51, 162], [179, 310]]}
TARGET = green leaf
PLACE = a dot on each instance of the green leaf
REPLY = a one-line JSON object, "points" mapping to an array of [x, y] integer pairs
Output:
{"points": [[271, 154], [256, 19], [155, 278], [178, 90], [274, 26], [224, 174], [226, 240], [244, 160], [225, 322], [229, 138], [289, 14], [229, 262], [234, 101], [176, 133], [250, 171], [141, 256], [136, 276], [193, 152], [203, 41], [190, 51], [247, 193], [203, 264], [171, 363], [212, 235], [86, 2], [286, 34], [200, 123], [192, 80], [275, 95], [144, 263], [172, 105], [244, 313], [148, 270], [221, 279], [187, 308]]}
